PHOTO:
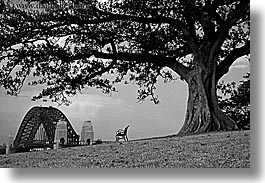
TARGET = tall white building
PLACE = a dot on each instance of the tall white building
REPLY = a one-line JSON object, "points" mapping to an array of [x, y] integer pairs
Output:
{"points": [[60, 134], [10, 140], [10, 143], [87, 133]]}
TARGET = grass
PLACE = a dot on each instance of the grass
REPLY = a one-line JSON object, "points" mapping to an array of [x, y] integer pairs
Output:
{"points": [[212, 150]]}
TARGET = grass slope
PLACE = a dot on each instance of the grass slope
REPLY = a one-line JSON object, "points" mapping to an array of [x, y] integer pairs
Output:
{"points": [[213, 150]]}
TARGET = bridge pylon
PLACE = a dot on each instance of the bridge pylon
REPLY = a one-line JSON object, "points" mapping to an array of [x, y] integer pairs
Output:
{"points": [[60, 134]]}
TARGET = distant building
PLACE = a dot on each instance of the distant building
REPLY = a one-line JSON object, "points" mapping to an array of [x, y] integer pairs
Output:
{"points": [[87, 133], [60, 137], [10, 143], [10, 140]]}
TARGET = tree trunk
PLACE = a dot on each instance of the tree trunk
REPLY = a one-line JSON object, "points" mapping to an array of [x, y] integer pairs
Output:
{"points": [[203, 113]]}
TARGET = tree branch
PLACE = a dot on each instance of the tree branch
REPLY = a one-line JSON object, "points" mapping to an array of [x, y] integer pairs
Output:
{"points": [[189, 35], [224, 66], [106, 69], [232, 19], [190, 21], [143, 58]]}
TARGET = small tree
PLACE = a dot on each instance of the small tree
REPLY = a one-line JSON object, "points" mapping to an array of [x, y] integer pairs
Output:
{"points": [[235, 101]]}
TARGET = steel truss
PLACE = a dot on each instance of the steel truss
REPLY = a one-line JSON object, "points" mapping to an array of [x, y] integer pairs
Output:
{"points": [[37, 128]]}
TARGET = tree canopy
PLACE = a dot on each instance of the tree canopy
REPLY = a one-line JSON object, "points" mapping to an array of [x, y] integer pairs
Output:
{"points": [[69, 45], [139, 37]]}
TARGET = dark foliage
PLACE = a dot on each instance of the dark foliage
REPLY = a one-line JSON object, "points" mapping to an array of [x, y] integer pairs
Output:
{"points": [[132, 40], [235, 101], [68, 46], [98, 141]]}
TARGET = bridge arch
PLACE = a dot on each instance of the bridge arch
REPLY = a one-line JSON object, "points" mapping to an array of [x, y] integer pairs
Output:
{"points": [[47, 118]]}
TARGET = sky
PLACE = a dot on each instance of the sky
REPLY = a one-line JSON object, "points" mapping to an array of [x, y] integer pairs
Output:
{"points": [[110, 113]]}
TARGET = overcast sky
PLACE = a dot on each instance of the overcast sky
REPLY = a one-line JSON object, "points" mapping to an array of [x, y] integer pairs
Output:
{"points": [[111, 113]]}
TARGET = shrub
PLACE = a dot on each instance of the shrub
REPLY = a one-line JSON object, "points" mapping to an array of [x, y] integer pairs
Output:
{"points": [[98, 141]]}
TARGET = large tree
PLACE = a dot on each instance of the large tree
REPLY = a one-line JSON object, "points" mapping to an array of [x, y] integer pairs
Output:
{"points": [[69, 45]]}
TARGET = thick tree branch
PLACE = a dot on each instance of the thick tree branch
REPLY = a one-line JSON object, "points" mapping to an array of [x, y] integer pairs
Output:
{"points": [[179, 68], [224, 66], [188, 32], [106, 69], [232, 19], [142, 58], [190, 25]]}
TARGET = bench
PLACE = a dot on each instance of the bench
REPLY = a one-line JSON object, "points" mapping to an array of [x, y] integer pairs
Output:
{"points": [[122, 134]]}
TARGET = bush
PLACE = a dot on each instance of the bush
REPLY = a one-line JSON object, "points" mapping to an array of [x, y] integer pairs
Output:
{"points": [[98, 141], [235, 101]]}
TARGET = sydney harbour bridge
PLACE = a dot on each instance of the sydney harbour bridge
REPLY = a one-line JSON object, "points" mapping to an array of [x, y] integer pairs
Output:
{"points": [[37, 129]]}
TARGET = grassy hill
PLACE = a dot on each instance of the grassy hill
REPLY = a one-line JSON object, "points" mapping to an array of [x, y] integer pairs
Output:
{"points": [[213, 150]]}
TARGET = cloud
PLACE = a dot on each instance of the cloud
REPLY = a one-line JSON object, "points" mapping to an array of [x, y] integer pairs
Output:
{"points": [[87, 106], [240, 63]]}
